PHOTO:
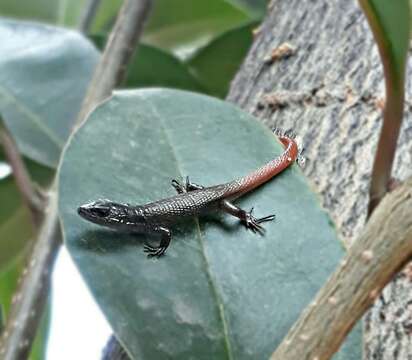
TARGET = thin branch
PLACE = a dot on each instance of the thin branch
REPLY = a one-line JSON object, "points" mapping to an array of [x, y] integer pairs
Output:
{"points": [[119, 49], [88, 15], [383, 248], [28, 305], [31, 197]]}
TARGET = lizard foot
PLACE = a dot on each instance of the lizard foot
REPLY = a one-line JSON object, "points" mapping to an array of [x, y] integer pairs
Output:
{"points": [[253, 223], [154, 251], [180, 189], [189, 186]]}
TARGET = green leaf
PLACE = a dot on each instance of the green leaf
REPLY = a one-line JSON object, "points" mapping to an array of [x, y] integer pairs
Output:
{"points": [[390, 23], [184, 25], [151, 66], [8, 283], [255, 8], [216, 71], [42, 10], [44, 72], [62, 12], [106, 15], [221, 291], [1, 319], [178, 25], [16, 230]]}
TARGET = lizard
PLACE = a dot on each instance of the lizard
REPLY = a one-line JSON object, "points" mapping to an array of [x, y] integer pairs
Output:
{"points": [[191, 200]]}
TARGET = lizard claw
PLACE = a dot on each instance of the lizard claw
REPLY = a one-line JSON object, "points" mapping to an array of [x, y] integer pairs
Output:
{"points": [[253, 223], [180, 189], [154, 251]]}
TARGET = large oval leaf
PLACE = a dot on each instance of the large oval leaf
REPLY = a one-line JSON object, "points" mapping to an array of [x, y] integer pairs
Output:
{"points": [[221, 291], [44, 72]]}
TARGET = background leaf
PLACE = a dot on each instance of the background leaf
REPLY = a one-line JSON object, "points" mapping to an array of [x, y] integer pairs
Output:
{"points": [[221, 291], [254, 8], [44, 72], [390, 25], [42, 10], [15, 224], [216, 63], [184, 25], [152, 66], [9, 280]]}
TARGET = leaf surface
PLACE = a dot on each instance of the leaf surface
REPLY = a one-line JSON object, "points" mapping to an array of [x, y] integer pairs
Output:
{"points": [[221, 291], [44, 72]]}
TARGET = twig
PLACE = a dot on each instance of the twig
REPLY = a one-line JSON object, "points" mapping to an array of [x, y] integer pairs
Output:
{"points": [[88, 15], [393, 112], [383, 248], [31, 197], [120, 47], [27, 308]]}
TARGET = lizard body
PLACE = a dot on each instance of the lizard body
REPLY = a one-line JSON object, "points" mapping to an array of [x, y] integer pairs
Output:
{"points": [[192, 200]]}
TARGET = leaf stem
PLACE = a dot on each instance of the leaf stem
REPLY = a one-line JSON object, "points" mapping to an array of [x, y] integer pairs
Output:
{"points": [[394, 71], [31, 196], [28, 306], [375, 257]]}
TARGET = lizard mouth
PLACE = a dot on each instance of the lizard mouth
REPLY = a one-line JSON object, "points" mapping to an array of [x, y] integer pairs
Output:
{"points": [[93, 211], [82, 211]]}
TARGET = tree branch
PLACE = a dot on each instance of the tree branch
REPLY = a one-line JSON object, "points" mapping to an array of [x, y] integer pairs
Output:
{"points": [[374, 258], [119, 49], [28, 306], [88, 15], [31, 296], [31, 197]]}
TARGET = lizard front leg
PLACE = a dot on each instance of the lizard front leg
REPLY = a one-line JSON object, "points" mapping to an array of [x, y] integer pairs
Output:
{"points": [[165, 238], [247, 218], [189, 186]]}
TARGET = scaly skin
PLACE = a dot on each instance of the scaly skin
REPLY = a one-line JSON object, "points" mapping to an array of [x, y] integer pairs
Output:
{"points": [[192, 200]]}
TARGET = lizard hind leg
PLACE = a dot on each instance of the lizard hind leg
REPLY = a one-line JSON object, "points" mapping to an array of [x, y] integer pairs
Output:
{"points": [[247, 218]]}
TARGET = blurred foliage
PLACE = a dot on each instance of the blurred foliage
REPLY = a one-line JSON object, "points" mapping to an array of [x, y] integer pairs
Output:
{"points": [[216, 63], [154, 67], [253, 7], [41, 90], [15, 223], [9, 279]]}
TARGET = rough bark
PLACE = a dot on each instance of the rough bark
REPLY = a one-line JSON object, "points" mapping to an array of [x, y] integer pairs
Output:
{"points": [[330, 91]]}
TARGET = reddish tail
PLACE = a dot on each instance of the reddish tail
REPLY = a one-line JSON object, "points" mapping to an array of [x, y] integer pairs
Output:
{"points": [[272, 168]]}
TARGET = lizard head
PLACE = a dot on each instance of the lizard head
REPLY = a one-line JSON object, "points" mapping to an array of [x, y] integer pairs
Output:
{"points": [[107, 213]]}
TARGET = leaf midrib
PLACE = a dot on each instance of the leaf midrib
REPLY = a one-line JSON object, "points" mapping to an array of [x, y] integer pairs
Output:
{"points": [[213, 286]]}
